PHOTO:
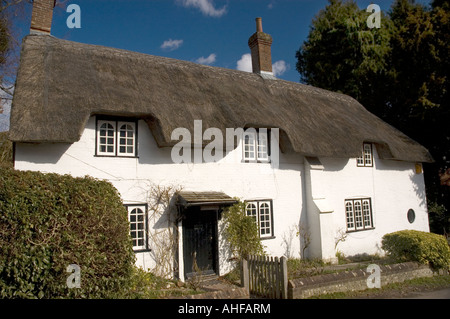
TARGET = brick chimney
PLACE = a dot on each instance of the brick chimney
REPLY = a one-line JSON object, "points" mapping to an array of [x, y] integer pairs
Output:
{"points": [[260, 44], [41, 18]]}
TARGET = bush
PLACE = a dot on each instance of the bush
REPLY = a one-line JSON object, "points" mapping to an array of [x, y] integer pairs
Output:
{"points": [[413, 245], [241, 232], [48, 222]]}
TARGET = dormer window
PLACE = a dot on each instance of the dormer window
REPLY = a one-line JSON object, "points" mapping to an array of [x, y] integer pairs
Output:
{"points": [[256, 145], [366, 158], [116, 138]]}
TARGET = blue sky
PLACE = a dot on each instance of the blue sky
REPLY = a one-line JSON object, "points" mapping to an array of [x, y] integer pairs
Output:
{"points": [[213, 32]]}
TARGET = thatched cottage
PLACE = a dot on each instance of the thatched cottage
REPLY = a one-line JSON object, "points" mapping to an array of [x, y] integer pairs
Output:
{"points": [[306, 159]]}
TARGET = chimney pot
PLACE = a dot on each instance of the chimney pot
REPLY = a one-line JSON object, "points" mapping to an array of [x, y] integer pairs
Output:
{"points": [[42, 16], [259, 25]]}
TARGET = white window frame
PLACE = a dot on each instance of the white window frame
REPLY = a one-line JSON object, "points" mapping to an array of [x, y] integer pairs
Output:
{"points": [[138, 227], [262, 212], [100, 123], [117, 139], [257, 146], [249, 146], [127, 139], [358, 214], [366, 158]]}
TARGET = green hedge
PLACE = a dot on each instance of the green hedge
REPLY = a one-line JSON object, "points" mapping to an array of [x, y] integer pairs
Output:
{"points": [[413, 245], [48, 222]]}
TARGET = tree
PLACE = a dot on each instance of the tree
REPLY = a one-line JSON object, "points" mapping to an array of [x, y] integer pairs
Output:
{"points": [[419, 100], [342, 54], [399, 72], [10, 10]]}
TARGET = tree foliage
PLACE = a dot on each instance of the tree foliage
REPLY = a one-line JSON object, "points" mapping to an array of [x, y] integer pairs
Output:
{"points": [[400, 72], [341, 54], [10, 12], [241, 232]]}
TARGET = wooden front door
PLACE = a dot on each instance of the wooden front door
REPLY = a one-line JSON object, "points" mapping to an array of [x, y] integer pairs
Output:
{"points": [[200, 242]]}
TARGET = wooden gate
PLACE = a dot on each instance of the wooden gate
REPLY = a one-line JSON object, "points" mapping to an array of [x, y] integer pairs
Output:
{"points": [[265, 276]]}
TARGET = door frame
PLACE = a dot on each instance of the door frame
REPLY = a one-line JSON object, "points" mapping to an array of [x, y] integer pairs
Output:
{"points": [[213, 210]]}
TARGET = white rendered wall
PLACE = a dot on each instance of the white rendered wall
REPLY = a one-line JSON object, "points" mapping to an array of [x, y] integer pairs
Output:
{"points": [[394, 187], [132, 177]]}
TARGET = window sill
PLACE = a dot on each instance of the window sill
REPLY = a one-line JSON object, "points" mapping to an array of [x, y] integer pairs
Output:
{"points": [[142, 250], [255, 161], [265, 238], [359, 230], [116, 156]]}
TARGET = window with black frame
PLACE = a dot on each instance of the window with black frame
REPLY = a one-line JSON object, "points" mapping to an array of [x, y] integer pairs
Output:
{"points": [[358, 214], [116, 137], [137, 216], [262, 212]]}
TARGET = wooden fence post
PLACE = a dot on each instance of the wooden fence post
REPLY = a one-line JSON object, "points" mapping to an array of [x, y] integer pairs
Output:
{"points": [[284, 278], [245, 275]]}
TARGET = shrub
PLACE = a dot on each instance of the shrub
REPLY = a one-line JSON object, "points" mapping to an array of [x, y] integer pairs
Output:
{"points": [[49, 221], [241, 232], [413, 245]]}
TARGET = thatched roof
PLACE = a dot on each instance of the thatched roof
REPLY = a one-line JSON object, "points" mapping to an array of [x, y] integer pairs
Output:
{"points": [[60, 84]]}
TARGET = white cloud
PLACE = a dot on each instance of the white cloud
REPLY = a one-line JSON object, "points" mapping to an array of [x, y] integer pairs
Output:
{"points": [[205, 6], [171, 45], [245, 63], [279, 67], [208, 60]]}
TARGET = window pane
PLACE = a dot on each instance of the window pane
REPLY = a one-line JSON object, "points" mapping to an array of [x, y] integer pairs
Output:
{"points": [[367, 214], [137, 227], [360, 161], [127, 139], [249, 145], [250, 210], [349, 216], [367, 155], [106, 141], [262, 145], [264, 217], [358, 214]]}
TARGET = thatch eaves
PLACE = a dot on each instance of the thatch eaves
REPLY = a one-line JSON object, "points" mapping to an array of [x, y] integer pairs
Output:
{"points": [[60, 84]]}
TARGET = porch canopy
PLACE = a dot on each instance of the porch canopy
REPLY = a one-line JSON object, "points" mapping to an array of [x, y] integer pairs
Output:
{"points": [[188, 199]]}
